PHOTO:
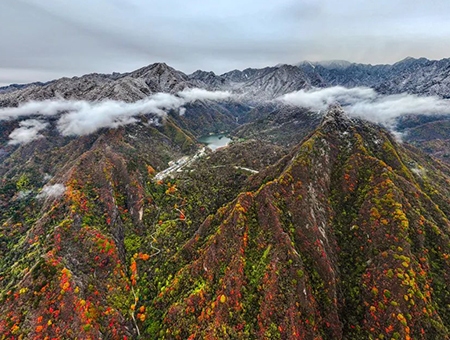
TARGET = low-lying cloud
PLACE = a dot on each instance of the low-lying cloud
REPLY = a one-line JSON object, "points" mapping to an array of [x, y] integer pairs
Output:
{"points": [[80, 117], [321, 98], [27, 132], [366, 103], [53, 191], [190, 95]]}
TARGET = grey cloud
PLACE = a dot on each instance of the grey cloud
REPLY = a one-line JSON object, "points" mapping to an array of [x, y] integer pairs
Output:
{"points": [[56, 38]]}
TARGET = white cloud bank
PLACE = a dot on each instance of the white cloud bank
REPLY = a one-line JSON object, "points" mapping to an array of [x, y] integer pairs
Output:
{"points": [[81, 117], [366, 103]]}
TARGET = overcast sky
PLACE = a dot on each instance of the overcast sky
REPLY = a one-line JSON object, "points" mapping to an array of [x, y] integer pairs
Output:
{"points": [[45, 39]]}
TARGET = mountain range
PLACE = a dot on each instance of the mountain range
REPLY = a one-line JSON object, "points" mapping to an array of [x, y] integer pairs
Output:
{"points": [[308, 225], [418, 76]]}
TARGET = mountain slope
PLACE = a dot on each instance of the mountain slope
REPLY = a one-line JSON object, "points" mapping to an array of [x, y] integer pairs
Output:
{"points": [[348, 233], [278, 124], [419, 76], [63, 252], [272, 82], [349, 237], [258, 84], [351, 75]]}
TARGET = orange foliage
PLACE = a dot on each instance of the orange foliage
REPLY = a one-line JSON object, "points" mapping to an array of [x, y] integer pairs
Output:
{"points": [[144, 257]]}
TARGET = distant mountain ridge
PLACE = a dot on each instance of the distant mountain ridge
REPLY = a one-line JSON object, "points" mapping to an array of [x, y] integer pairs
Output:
{"points": [[127, 87], [416, 76]]}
